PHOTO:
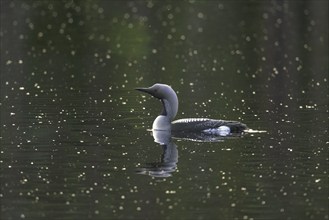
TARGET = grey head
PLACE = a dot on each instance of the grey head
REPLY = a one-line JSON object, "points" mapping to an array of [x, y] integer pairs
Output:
{"points": [[167, 96]]}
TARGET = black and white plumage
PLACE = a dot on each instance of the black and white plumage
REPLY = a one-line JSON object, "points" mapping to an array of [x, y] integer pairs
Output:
{"points": [[206, 125], [165, 121]]}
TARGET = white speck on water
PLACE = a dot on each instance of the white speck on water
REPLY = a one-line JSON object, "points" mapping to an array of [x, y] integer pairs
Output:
{"points": [[200, 15]]}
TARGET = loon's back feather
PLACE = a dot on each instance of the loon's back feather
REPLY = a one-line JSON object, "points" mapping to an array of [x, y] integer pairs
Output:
{"points": [[201, 124]]}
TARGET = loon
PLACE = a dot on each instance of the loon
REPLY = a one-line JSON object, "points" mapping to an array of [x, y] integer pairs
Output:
{"points": [[164, 122]]}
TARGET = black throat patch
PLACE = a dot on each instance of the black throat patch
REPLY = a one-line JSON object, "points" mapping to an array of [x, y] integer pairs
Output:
{"points": [[164, 110]]}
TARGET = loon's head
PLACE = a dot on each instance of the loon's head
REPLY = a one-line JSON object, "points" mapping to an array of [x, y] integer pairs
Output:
{"points": [[167, 96]]}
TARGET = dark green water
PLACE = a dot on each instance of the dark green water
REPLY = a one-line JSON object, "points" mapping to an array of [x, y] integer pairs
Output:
{"points": [[74, 132]]}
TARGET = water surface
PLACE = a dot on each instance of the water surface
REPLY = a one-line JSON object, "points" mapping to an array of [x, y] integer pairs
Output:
{"points": [[74, 133]]}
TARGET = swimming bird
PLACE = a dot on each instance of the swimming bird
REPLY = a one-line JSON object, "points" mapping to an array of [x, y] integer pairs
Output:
{"points": [[165, 121]]}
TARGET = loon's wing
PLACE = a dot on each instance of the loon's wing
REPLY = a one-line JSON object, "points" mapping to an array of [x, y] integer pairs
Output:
{"points": [[200, 124]]}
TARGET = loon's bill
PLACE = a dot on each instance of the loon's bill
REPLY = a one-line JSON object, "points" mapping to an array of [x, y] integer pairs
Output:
{"points": [[206, 126]]}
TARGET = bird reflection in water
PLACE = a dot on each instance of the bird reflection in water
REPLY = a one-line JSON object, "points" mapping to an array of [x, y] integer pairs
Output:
{"points": [[169, 158]]}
